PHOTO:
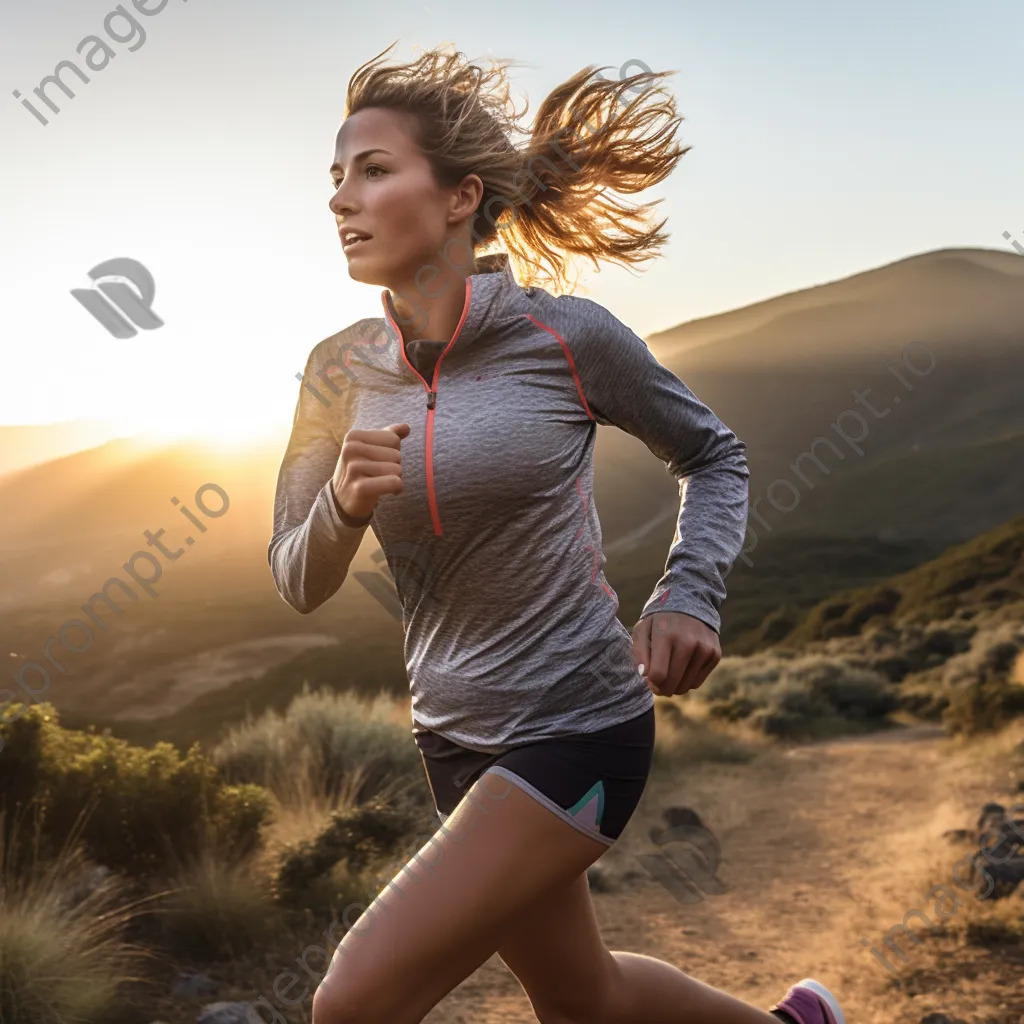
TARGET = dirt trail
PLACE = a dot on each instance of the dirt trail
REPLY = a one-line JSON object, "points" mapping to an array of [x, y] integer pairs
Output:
{"points": [[822, 847]]}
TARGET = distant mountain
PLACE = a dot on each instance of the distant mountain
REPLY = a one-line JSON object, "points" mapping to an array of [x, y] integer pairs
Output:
{"points": [[22, 446], [939, 456]]}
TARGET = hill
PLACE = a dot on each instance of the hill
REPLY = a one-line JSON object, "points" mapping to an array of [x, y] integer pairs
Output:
{"points": [[982, 576]]}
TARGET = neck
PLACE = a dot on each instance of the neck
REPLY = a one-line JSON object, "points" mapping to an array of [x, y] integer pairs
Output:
{"points": [[432, 308]]}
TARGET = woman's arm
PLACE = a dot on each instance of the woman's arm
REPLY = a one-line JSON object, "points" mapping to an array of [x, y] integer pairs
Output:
{"points": [[626, 386], [312, 547]]}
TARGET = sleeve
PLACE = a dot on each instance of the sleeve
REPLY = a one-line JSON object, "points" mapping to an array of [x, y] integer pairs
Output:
{"points": [[312, 546], [627, 387]]}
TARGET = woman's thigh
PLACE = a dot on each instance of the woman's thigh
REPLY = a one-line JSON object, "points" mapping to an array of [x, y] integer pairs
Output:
{"points": [[556, 951], [444, 914]]}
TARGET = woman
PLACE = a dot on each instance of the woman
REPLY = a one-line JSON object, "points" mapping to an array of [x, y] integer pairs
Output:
{"points": [[465, 437]]}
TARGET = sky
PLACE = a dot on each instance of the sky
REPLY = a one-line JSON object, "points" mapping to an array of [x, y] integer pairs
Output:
{"points": [[827, 139]]}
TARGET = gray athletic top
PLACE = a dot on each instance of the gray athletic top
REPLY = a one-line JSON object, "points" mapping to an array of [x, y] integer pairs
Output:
{"points": [[511, 634]]}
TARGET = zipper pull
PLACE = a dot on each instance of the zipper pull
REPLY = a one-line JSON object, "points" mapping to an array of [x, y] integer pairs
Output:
{"points": [[431, 399]]}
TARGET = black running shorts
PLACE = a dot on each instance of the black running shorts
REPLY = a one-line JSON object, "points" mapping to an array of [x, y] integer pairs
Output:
{"points": [[593, 781]]}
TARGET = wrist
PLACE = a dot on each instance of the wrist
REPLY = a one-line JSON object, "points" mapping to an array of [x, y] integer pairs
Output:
{"points": [[351, 521]]}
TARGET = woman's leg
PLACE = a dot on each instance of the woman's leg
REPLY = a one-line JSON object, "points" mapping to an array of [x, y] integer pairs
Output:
{"points": [[556, 951], [444, 913]]}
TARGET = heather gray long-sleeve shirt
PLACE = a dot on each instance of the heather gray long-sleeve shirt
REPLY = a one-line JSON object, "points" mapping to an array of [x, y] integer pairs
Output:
{"points": [[511, 634]]}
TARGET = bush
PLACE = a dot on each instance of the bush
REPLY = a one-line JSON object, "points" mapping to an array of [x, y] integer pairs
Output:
{"points": [[138, 810], [358, 836], [319, 745], [850, 692], [62, 953], [679, 740], [983, 705], [979, 684], [215, 911], [784, 696]]}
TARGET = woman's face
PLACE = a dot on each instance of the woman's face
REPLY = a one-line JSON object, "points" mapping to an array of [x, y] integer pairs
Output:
{"points": [[385, 189]]}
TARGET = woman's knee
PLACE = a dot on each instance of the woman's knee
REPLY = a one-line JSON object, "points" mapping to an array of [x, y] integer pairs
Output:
{"points": [[601, 1005], [343, 999]]}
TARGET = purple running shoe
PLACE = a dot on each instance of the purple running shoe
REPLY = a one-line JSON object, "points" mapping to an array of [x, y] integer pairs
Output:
{"points": [[809, 1002]]}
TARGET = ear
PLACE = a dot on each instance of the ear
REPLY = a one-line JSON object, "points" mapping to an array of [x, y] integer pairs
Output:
{"points": [[467, 195]]}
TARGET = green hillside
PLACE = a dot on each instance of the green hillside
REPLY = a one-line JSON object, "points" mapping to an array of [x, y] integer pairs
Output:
{"points": [[983, 575]]}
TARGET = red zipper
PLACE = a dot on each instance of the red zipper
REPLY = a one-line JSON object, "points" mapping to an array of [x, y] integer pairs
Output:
{"points": [[431, 397]]}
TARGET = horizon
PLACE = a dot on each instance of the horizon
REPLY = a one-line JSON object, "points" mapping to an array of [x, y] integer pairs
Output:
{"points": [[250, 436]]}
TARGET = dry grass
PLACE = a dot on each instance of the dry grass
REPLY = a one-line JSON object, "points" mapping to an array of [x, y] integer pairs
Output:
{"points": [[63, 958]]}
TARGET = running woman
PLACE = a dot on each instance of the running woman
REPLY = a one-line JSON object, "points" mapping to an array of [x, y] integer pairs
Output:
{"points": [[460, 428]]}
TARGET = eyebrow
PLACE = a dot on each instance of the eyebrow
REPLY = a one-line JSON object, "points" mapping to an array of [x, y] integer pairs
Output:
{"points": [[359, 156]]}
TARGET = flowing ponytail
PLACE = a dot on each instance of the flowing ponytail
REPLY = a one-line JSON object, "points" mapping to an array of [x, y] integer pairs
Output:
{"points": [[547, 199]]}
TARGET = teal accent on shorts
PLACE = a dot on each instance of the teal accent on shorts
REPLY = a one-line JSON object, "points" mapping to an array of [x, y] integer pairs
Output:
{"points": [[590, 807]]}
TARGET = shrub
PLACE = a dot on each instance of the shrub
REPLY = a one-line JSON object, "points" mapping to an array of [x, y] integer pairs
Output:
{"points": [[924, 701], [850, 692], [732, 710], [138, 810], [777, 694], [735, 675], [679, 740], [63, 957], [357, 835], [982, 705], [215, 910], [780, 724], [894, 667], [319, 744]]}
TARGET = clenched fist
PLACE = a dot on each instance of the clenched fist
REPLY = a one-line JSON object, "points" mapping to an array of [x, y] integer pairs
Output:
{"points": [[674, 652], [370, 465]]}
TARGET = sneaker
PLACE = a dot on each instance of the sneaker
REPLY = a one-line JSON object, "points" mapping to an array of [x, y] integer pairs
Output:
{"points": [[809, 1002]]}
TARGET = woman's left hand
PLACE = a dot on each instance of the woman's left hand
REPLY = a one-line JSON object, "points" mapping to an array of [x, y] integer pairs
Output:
{"points": [[674, 652]]}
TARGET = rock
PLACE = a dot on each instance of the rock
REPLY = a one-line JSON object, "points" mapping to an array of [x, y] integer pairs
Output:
{"points": [[599, 879], [194, 986], [992, 815], [959, 835], [681, 821], [223, 1013]]}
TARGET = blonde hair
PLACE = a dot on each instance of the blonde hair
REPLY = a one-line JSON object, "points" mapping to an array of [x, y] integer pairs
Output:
{"points": [[464, 121]]}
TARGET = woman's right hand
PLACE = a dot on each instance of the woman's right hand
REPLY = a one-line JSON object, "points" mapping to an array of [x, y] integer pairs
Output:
{"points": [[370, 466]]}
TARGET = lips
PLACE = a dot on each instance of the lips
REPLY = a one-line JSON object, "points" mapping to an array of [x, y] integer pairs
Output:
{"points": [[354, 238]]}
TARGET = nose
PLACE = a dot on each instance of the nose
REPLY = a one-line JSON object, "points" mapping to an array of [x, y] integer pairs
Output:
{"points": [[340, 203]]}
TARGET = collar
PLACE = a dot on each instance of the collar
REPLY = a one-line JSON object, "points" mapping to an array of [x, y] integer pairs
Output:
{"points": [[490, 296]]}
